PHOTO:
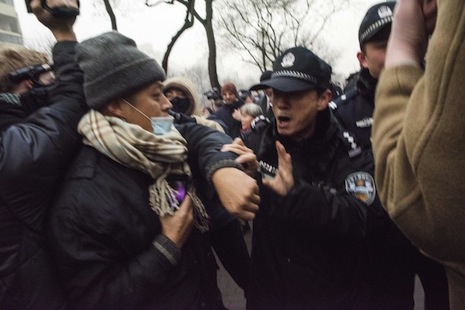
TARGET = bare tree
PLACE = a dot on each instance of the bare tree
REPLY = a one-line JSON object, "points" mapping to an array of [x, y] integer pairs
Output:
{"points": [[262, 29], [206, 22], [110, 12]]}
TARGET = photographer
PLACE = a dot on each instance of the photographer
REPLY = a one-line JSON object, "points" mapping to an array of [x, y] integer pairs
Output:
{"points": [[25, 77], [38, 140]]}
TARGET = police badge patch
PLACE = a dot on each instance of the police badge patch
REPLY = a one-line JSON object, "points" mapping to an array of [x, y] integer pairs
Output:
{"points": [[361, 185]]}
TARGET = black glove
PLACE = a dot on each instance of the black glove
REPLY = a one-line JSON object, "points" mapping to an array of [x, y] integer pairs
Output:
{"points": [[180, 118]]}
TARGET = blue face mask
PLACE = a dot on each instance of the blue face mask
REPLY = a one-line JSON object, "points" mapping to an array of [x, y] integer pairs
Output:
{"points": [[160, 125]]}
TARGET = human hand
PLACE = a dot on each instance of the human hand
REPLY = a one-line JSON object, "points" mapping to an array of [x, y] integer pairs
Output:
{"points": [[237, 115], [413, 21], [61, 27], [246, 156], [177, 227], [284, 179], [237, 191]]}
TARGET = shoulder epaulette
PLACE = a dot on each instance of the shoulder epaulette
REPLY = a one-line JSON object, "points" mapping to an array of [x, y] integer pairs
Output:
{"points": [[347, 96], [353, 148]]}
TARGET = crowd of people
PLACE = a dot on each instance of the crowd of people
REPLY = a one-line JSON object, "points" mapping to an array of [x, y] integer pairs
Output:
{"points": [[116, 187]]}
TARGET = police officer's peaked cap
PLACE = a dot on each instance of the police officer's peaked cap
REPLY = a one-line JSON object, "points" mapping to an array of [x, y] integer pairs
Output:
{"points": [[298, 69], [376, 18]]}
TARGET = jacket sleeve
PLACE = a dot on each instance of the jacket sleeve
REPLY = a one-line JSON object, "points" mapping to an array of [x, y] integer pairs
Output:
{"points": [[418, 141], [204, 146], [33, 153]]}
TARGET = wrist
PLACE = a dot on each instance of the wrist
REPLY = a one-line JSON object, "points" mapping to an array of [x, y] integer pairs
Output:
{"points": [[64, 34]]}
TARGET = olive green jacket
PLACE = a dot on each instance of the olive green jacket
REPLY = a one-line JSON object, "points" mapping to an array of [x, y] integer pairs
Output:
{"points": [[419, 146]]}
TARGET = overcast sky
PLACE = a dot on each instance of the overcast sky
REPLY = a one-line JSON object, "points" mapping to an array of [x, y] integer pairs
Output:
{"points": [[152, 29]]}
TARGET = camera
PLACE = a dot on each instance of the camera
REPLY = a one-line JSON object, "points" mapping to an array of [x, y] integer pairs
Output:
{"points": [[29, 73], [59, 11], [213, 94]]}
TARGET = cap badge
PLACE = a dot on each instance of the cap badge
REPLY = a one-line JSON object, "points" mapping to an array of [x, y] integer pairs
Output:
{"points": [[288, 60], [384, 11]]}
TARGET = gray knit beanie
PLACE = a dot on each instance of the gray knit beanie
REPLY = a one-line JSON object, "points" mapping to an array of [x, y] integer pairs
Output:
{"points": [[114, 67]]}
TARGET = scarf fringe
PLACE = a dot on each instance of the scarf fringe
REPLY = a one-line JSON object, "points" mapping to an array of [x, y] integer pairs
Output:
{"points": [[163, 202]]}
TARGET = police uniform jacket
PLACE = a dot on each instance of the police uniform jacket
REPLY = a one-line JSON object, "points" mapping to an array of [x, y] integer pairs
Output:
{"points": [[307, 250], [33, 154], [107, 241], [354, 110]]}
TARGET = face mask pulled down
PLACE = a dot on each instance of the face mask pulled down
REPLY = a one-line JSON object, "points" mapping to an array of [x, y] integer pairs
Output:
{"points": [[161, 125]]}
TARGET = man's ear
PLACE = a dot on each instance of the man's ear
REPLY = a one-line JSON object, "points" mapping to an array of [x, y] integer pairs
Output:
{"points": [[362, 60], [324, 99], [114, 108]]}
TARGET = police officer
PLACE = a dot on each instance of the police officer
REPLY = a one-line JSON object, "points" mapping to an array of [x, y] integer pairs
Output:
{"points": [[318, 197], [393, 261]]}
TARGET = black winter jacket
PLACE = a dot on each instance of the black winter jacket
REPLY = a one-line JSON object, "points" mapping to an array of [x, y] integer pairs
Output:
{"points": [[224, 117], [33, 155], [107, 240], [308, 247]]}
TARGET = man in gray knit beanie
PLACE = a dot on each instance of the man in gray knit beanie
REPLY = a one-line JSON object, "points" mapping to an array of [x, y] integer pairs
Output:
{"points": [[127, 224], [114, 67]]}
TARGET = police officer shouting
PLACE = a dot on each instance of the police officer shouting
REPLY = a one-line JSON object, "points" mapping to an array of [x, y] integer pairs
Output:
{"points": [[317, 194]]}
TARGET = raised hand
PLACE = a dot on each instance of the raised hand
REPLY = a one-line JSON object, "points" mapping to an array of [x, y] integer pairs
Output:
{"points": [[284, 180], [246, 156], [61, 27]]}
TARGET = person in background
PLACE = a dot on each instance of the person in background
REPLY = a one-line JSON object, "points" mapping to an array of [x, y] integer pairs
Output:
{"points": [[265, 101], [128, 222], [23, 88], [317, 197], [249, 112], [246, 96], [38, 140], [418, 128], [225, 231], [394, 260], [224, 114]]}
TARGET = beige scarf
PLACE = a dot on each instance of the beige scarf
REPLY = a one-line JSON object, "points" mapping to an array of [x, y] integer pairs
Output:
{"points": [[158, 156]]}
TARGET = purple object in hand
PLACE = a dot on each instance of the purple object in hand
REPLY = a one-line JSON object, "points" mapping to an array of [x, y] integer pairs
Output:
{"points": [[179, 190]]}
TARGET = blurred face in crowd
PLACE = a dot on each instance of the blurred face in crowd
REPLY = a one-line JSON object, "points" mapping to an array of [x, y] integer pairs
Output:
{"points": [[373, 52], [246, 120], [229, 97], [173, 93], [296, 112], [141, 106]]}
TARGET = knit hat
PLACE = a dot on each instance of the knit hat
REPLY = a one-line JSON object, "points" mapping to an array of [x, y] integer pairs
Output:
{"points": [[297, 69], [114, 67], [188, 88], [376, 18]]}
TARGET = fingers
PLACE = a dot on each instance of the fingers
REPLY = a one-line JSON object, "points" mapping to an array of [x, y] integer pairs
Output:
{"points": [[284, 159], [186, 205], [237, 147], [284, 179], [238, 141]]}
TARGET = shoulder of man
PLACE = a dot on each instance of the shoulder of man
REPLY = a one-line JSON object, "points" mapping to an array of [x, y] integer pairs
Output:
{"points": [[343, 99]]}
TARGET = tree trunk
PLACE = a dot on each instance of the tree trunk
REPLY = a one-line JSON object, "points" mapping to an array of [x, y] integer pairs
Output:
{"points": [[212, 70], [111, 14]]}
